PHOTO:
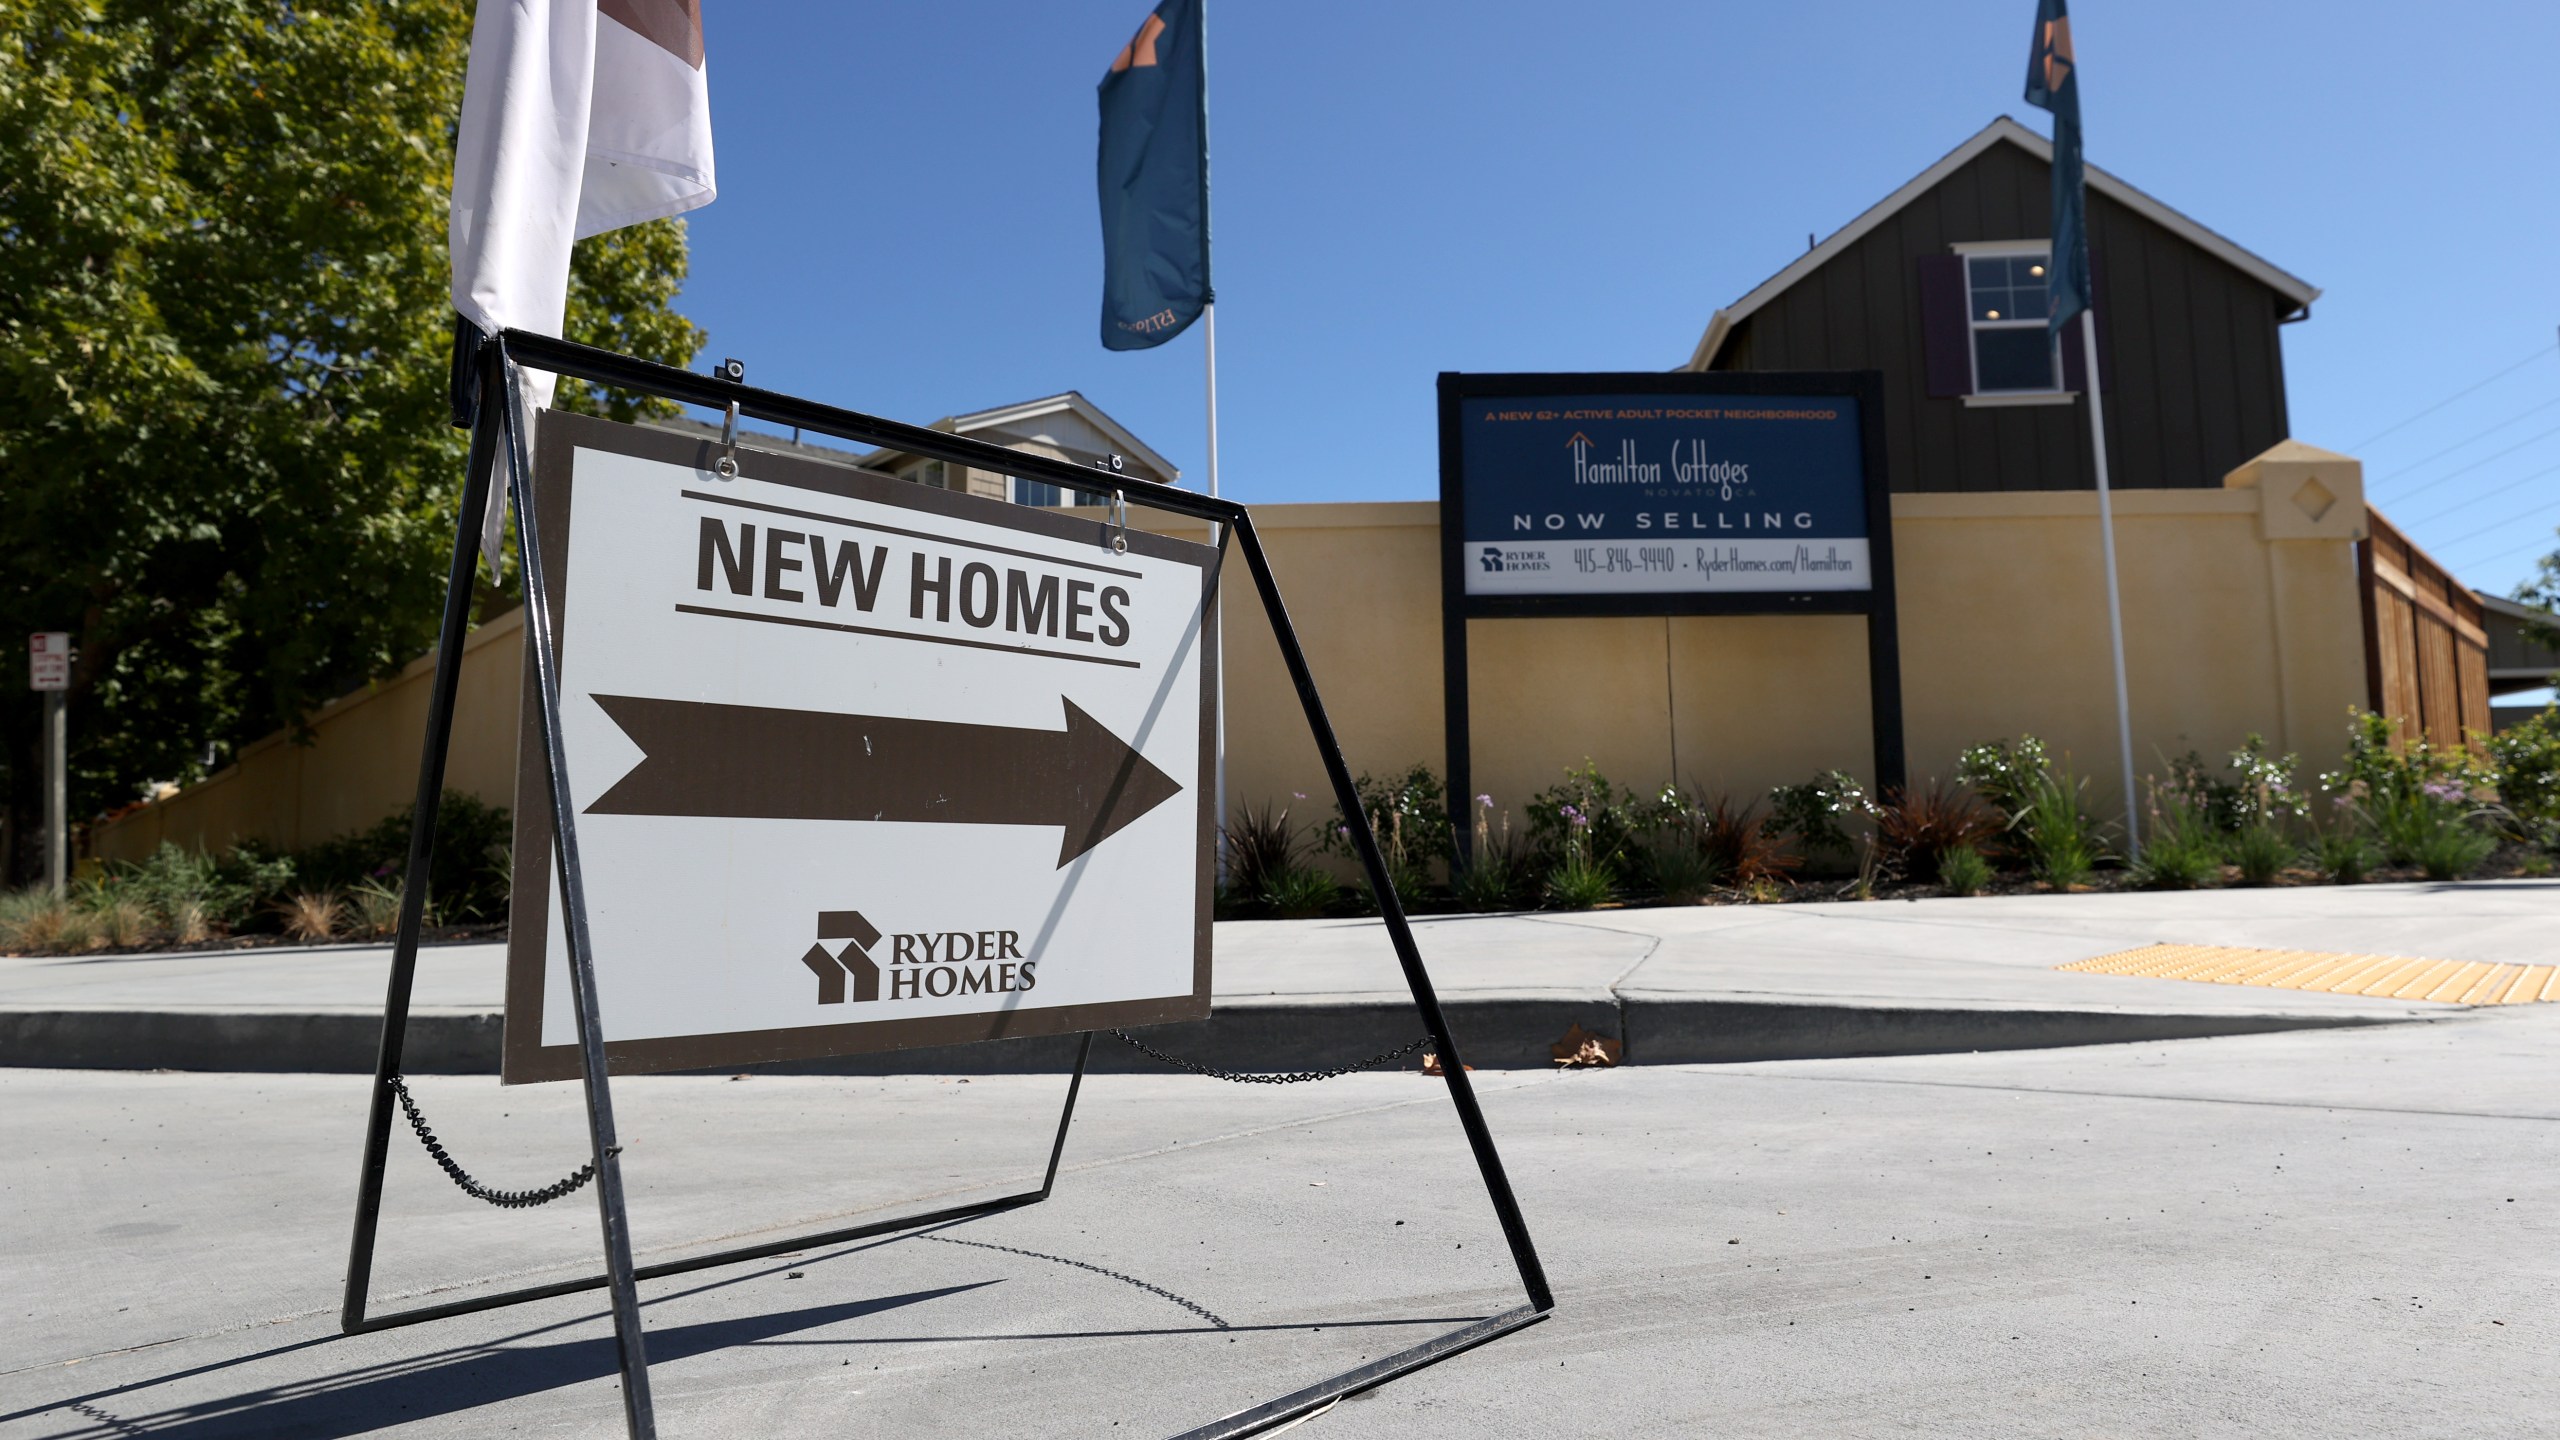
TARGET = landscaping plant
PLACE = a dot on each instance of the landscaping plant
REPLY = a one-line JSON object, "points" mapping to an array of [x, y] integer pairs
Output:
{"points": [[1587, 812], [2180, 850], [1494, 876], [1963, 871], [2261, 851], [1914, 831], [1581, 880], [2062, 840], [1262, 846], [1409, 813], [1824, 816]]}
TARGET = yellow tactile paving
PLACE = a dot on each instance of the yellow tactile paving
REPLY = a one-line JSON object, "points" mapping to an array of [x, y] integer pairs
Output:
{"points": [[2396, 977]]}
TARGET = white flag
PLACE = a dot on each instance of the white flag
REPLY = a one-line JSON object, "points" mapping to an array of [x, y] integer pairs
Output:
{"points": [[578, 117]]}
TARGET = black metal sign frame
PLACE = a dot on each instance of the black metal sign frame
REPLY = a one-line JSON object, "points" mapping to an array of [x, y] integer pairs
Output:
{"points": [[1457, 607], [497, 434]]}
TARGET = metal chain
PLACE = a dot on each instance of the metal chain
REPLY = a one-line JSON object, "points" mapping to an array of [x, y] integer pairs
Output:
{"points": [[505, 1199], [1248, 1077]]}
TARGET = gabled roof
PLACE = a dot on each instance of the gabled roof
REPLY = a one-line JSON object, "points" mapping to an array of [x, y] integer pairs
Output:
{"points": [[2000, 131], [1067, 402]]}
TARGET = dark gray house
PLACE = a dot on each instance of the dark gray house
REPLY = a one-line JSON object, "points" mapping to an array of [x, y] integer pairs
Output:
{"points": [[1940, 285]]}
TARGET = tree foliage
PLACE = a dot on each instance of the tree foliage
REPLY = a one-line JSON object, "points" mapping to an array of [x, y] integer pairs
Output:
{"points": [[2543, 593], [226, 462]]}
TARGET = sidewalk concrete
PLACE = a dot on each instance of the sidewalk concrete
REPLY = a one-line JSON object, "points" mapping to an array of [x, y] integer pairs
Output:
{"points": [[2315, 1234], [1677, 985]]}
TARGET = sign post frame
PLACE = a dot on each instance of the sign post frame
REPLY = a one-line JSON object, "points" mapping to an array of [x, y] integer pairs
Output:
{"points": [[498, 435], [1884, 647]]}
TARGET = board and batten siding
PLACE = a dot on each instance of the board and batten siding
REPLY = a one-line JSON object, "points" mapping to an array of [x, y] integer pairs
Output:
{"points": [[2193, 361]]}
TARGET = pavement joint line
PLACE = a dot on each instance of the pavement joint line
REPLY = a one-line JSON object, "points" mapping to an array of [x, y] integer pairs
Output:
{"points": [[1747, 1072]]}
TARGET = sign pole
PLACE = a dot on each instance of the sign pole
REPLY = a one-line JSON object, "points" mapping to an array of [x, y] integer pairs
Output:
{"points": [[57, 793], [2115, 606]]}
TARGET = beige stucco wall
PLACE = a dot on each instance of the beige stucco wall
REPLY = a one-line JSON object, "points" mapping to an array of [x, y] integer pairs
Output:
{"points": [[360, 765], [2241, 615]]}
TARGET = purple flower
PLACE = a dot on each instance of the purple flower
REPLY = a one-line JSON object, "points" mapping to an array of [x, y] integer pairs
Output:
{"points": [[1485, 800], [2447, 790], [1301, 794], [1342, 830]]}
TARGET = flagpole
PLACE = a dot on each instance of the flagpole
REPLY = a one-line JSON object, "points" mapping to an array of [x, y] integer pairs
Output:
{"points": [[2115, 604], [1209, 321], [1209, 326]]}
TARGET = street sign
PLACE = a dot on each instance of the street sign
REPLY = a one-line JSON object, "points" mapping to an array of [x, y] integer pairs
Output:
{"points": [[49, 660], [858, 764]]}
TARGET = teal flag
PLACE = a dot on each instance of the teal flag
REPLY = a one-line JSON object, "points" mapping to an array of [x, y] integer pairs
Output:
{"points": [[1153, 171], [2053, 83]]}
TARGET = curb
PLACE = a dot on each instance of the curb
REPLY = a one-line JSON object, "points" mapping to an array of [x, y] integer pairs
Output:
{"points": [[1257, 1033]]}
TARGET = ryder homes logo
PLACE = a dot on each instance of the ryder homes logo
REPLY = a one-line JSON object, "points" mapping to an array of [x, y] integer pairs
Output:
{"points": [[921, 964]]}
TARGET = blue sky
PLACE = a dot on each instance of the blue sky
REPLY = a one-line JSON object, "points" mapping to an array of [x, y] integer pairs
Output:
{"points": [[907, 219]]}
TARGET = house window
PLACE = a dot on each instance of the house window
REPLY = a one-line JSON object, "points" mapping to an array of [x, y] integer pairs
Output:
{"points": [[931, 473], [1041, 492], [2012, 349]]}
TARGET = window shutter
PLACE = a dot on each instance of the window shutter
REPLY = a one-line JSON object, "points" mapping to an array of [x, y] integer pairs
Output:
{"points": [[1945, 337], [2075, 368]]}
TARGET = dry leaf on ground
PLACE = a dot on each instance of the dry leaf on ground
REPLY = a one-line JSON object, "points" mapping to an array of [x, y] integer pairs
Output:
{"points": [[1580, 1049]]}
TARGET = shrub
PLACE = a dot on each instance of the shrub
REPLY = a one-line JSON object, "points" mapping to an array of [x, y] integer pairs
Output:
{"points": [[1586, 810], [29, 918], [123, 922], [1303, 892], [312, 916], [1914, 831], [1963, 871], [1739, 844], [174, 880], [2062, 841], [2527, 759], [468, 876], [2261, 850], [1261, 847], [2181, 851], [1409, 813], [1582, 879], [1676, 869], [1580, 883], [2345, 854], [2452, 851], [2005, 775], [1820, 814], [1496, 873], [373, 909]]}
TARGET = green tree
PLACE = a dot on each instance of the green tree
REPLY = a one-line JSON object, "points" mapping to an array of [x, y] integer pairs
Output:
{"points": [[226, 462], [2543, 593]]}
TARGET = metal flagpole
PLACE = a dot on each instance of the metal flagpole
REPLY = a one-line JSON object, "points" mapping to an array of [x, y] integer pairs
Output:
{"points": [[1209, 324], [2115, 605], [1209, 319]]}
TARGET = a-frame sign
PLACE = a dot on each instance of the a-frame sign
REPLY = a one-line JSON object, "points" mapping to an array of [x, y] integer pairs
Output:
{"points": [[817, 674]]}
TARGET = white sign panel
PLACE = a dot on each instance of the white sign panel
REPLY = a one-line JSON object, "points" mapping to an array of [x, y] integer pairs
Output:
{"points": [[49, 660], [857, 764]]}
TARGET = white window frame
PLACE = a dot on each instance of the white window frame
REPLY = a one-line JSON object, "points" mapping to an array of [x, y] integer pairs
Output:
{"points": [[2005, 250]]}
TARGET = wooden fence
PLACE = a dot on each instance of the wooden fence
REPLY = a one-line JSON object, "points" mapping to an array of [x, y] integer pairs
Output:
{"points": [[2426, 651]]}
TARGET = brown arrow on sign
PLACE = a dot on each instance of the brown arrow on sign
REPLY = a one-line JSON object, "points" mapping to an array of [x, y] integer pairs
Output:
{"points": [[749, 762]]}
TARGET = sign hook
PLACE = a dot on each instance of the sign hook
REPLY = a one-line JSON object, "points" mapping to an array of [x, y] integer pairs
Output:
{"points": [[1120, 534], [727, 464]]}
